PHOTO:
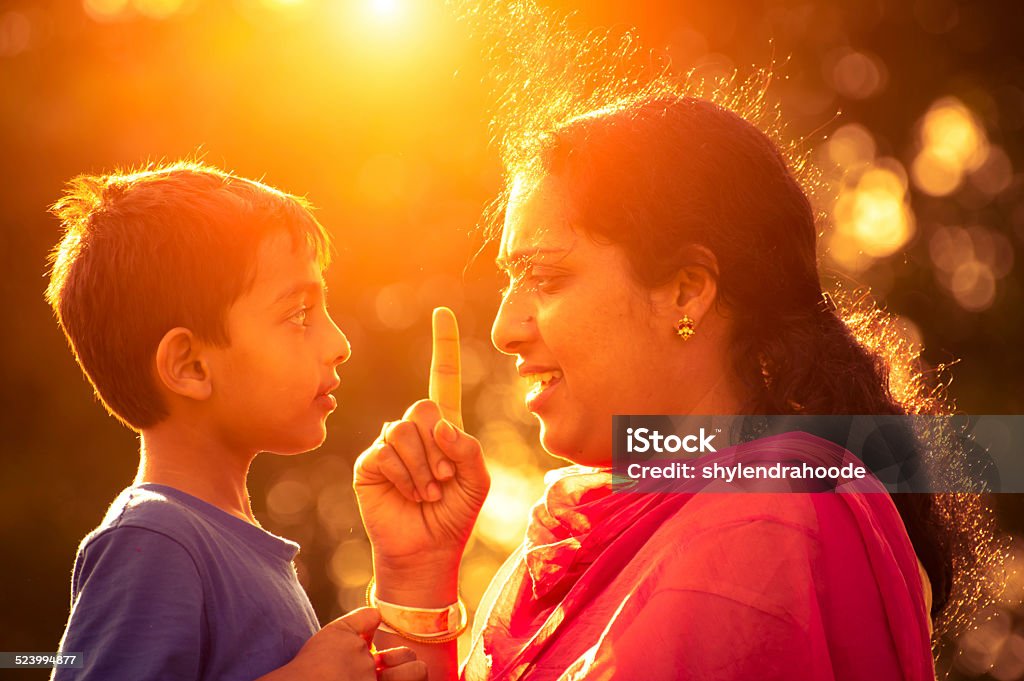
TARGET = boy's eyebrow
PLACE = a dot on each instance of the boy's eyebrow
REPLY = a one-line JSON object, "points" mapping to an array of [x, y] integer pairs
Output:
{"points": [[310, 286], [504, 263]]}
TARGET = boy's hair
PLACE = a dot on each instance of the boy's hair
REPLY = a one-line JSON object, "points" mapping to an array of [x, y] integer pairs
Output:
{"points": [[146, 251]]}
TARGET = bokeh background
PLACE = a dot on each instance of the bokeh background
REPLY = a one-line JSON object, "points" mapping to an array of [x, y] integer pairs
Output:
{"points": [[376, 110]]}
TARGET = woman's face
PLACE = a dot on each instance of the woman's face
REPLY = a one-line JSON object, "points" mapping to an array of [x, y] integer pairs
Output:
{"points": [[589, 339]]}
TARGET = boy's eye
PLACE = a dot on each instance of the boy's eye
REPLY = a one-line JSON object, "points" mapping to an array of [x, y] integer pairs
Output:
{"points": [[300, 316]]}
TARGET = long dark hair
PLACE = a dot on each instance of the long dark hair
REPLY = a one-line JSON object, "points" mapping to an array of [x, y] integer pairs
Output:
{"points": [[656, 176]]}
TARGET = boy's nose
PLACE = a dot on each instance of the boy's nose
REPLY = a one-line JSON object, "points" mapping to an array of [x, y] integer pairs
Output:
{"points": [[513, 325], [341, 350]]}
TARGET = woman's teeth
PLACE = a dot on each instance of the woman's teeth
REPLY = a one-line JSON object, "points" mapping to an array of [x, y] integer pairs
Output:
{"points": [[538, 382]]}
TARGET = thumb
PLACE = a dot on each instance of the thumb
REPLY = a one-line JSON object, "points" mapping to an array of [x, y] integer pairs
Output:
{"points": [[455, 443], [363, 622]]}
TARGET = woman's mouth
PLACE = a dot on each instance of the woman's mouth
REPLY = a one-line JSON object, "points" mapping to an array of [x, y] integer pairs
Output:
{"points": [[540, 386]]}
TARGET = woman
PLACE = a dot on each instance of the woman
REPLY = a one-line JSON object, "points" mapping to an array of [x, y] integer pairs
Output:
{"points": [[661, 260]]}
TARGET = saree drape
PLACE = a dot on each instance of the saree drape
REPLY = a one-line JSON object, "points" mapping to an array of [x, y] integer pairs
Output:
{"points": [[708, 584]]}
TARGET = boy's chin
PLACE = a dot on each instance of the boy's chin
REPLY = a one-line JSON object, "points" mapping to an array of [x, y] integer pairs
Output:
{"points": [[296, 446]]}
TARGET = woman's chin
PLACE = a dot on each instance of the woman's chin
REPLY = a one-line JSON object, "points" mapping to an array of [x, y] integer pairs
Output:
{"points": [[571, 447]]}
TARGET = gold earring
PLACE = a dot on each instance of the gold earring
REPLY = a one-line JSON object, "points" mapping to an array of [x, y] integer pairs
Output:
{"points": [[686, 328]]}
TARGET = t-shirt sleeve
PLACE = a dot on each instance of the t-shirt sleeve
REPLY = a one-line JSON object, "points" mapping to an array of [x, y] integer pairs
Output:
{"points": [[136, 611]]}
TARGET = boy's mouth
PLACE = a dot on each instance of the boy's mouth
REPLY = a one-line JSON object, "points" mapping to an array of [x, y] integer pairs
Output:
{"points": [[325, 398], [327, 401]]}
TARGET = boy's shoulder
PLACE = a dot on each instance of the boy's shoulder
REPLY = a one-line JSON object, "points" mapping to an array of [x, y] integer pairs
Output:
{"points": [[144, 531], [169, 516], [153, 508]]}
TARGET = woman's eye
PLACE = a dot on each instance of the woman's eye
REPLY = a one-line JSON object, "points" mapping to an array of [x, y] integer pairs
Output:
{"points": [[544, 282]]}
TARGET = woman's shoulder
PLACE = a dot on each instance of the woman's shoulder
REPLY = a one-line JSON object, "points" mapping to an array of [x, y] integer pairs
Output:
{"points": [[711, 512], [755, 551], [741, 539]]}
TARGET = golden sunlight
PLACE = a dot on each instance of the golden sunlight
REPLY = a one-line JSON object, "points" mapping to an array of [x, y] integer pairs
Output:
{"points": [[385, 9]]}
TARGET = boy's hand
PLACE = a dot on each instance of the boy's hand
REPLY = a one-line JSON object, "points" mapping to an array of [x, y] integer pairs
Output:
{"points": [[340, 651], [399, 664], [421, 484]]}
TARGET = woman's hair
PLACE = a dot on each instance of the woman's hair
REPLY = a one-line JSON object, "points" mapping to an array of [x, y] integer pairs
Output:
{"points": [[658, 175]]}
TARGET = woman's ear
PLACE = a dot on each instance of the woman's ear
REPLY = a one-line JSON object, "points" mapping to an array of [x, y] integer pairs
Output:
{"points": [[181, 367], [693, 289]]}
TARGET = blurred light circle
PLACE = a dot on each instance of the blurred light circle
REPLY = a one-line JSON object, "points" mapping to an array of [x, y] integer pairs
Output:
{"points": [[477, 573], [974, 286], [949, 247], [858, 75], [993, 249], [687, 46], [395, 306], [851, 145], [1009, 666], [934, 174], [158, 9], [909, 331], [105, 10], [893, 170], [351, 564], [506, 512], [440, 290], [337, 510], [714, 65], [949, 130], [288, 498], [995, 174], [980, 646], [474, 364], [875, 214]]}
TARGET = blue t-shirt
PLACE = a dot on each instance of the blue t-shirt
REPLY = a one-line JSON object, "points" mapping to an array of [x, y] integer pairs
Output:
{"points": [[169, 587]]}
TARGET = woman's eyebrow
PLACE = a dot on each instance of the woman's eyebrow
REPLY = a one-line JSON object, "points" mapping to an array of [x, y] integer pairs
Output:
{"points": [[519, 258]]}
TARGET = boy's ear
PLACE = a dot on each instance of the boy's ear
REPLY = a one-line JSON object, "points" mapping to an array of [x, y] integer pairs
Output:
{"points": [[180, 365]]}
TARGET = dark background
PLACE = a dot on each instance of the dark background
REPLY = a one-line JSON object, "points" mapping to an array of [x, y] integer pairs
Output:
{"points": [[377, 112]]}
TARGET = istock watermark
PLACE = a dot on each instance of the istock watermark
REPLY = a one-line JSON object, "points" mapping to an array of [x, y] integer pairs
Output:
{"points": [[932, 454], [642, 440]]}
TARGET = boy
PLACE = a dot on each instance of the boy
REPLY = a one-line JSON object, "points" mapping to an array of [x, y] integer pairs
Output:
{"points": [[194, 302]]}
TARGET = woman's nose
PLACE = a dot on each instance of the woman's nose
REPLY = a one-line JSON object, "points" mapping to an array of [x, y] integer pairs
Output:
{"points": [[513, 325]]}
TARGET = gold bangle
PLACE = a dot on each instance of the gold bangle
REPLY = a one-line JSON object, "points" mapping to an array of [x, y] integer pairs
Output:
{"points": [[389, 626]]}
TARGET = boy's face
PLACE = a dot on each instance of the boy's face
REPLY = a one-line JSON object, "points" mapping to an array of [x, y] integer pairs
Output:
{"points": [[271, 384]]}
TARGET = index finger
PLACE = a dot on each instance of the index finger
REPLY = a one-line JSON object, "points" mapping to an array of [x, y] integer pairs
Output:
{"points": [[445, 388]]}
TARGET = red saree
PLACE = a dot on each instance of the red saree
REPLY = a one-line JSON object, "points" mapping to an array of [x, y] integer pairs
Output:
{"points": [[709, 586]]}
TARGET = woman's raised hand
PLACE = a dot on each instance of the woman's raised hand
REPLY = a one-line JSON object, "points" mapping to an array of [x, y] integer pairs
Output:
{"points": [[421, 484]]}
